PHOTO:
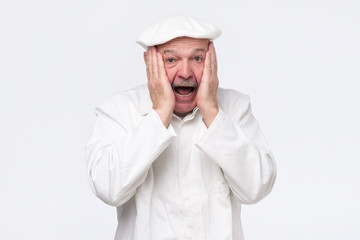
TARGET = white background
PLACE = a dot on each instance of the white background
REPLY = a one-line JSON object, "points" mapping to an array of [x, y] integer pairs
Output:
{"points": [[299, 61]]}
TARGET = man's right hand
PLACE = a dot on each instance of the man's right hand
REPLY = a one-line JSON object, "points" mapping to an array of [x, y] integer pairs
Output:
{"points": [[161, 92]]}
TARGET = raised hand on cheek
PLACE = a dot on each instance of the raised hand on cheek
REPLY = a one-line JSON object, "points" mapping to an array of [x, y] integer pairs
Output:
{"points": [[206, 95], [161, 93]]}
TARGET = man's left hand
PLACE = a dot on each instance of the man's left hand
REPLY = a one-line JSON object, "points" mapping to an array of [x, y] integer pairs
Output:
{"points": [[206, 94]]}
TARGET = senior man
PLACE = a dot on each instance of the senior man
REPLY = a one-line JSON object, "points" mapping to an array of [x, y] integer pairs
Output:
{"points": [[179, 156]]}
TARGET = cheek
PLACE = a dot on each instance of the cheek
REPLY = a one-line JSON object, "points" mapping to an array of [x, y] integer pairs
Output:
{"points": [[170, 73], [198, 71]]}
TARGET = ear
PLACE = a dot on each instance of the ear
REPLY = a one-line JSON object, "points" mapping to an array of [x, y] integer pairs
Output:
{"points": [[145, 57]]}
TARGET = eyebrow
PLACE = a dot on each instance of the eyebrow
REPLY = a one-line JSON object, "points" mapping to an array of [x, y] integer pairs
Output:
{"points": [[193, 51]]}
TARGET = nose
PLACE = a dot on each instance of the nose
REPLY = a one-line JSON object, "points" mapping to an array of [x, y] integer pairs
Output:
{"points": [[185, 70]]}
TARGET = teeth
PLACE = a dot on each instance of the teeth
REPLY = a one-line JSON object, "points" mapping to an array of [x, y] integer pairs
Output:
{"points": [[187, 95]]}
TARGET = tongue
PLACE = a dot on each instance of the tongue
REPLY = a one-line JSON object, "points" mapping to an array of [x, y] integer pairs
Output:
{"points": [[184, 90]]}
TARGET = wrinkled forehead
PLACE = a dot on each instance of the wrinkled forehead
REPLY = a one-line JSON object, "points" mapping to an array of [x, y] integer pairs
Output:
{"points": [[184, 44]]}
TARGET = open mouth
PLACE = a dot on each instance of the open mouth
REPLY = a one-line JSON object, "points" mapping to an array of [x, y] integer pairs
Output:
{"points": [[184, 91]]}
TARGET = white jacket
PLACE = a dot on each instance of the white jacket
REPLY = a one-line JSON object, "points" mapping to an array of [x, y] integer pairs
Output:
{"points": [[181, 182]]}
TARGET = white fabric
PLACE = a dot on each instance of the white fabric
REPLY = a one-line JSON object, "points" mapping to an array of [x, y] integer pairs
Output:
{"points": [[177, 26], [181, 182]]}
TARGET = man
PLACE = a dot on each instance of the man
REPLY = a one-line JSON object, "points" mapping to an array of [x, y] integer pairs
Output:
{"points": [[179, 156]]}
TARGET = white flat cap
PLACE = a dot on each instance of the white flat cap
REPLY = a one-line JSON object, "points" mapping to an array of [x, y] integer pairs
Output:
{"points": [[174, 27]]}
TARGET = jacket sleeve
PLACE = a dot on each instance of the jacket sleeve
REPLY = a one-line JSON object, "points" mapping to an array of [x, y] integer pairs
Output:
{"points": [[236, 144], [119, 155]]}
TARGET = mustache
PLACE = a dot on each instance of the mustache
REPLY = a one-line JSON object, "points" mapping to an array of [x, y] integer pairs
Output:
{"points": [[184, 83]]}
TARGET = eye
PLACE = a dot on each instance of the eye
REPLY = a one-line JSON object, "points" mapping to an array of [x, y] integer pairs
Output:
{"points": [[170, 60], [197, 59]]}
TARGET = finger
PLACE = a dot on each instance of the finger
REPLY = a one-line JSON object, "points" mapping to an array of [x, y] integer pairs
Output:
{"points": [[152, 66], [207, 67], [213, 57], [154, 63], [147, 63], [145, 59], [161, 67]]}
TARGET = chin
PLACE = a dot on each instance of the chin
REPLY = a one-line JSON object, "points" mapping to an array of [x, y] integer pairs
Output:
{"points": [[182, 110]]}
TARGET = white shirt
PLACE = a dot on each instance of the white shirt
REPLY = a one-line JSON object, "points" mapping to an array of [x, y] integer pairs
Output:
{"points": [[186, 181]]}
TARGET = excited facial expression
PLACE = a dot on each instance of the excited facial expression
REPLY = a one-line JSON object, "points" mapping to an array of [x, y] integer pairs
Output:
{"points": [[184, 63]]}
